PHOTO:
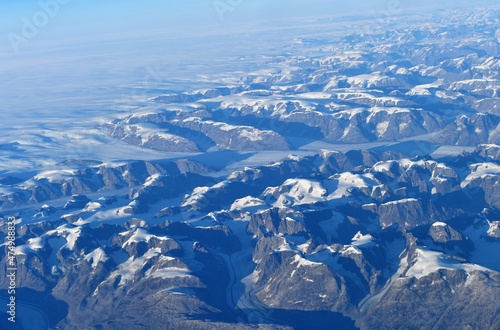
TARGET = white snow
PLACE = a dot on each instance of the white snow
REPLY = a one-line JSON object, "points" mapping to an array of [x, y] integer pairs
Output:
{"points": [[251, 134], [481, 170], [70, 234], [249, 203], [170, 272], [302, 262], [382, 127], [129, 268], [362, 240], [494, 228], [389, 111], [350, 250], [418, 90], [33, 245], [62, 237], [302, 191], [314, 95], [5, 190], [151, 179], [404, 200], [197, 195], [98, 255], [384, 166], [56, 175], [285, 245], [92, 207], [141, 235], [427, 262], [339, 184]]}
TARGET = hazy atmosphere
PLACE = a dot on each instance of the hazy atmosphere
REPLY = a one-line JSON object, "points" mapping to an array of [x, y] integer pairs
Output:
{"points": [[90, 54]]}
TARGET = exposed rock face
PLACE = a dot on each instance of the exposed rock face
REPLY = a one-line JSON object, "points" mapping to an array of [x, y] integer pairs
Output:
{"points": [[471, 131], [489, 152], [309, 286], [443, 233], [437, 298], [408, 213], [277, 221]]}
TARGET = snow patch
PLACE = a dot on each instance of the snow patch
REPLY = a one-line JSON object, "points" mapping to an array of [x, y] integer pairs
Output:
{"points": [[98, 255], [427, 262], [362, 240], [302, 262]]}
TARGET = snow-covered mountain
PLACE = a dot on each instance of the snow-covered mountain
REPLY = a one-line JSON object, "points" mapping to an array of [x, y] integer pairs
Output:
{"points": [[352, 182], [344, 232], [371, 90]]}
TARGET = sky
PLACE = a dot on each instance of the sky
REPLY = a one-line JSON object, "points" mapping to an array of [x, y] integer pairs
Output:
{"points": [[84, 20], [37, 25]]}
